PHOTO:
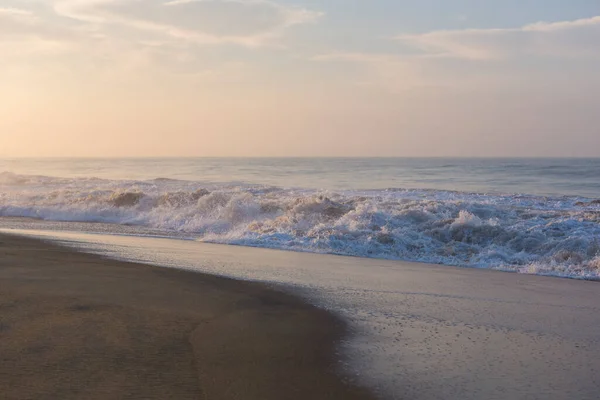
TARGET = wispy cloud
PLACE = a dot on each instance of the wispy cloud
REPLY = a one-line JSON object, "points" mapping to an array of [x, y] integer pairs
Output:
{"points": [[136, 39], [14, 21], [243, 22], [481, 57], [22, 32], [565, 38]]}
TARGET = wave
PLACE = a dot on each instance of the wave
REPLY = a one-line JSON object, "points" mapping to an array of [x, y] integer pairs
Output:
{"points": [[557, 236]]}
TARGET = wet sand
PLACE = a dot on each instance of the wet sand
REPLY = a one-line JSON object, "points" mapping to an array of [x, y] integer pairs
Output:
{"points": [[78, 326]]}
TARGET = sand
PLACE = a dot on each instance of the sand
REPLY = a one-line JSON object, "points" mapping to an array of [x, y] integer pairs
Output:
{"points": [[77, 326], [420, 331]]}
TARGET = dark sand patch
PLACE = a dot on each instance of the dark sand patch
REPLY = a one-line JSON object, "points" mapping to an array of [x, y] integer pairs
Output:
{"points": [[77, 326]]}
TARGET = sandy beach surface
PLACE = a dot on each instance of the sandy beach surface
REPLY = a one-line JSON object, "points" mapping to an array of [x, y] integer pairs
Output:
{"points": [[414, 331], [77, 326]]}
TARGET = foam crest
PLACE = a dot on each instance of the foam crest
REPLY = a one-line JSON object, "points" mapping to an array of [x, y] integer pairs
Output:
{"points": [[528, 234]]}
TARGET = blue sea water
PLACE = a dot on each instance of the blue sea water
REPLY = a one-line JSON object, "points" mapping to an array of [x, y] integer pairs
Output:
{"points": [[527, 215]]}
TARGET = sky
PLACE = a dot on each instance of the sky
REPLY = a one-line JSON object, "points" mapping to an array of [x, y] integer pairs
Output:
{"points": [[478, 78]]}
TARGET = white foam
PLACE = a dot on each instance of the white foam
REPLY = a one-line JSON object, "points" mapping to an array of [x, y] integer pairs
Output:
{"points": [[529, 234]]}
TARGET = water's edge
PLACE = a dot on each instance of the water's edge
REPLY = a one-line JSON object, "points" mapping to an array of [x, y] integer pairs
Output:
{"points": [[558, 236]]}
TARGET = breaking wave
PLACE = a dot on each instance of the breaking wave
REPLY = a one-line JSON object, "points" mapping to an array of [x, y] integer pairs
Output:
{"points": [[557, 236]]}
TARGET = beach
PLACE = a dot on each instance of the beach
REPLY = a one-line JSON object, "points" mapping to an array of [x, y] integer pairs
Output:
{"points": [[76, 325], [299, 200], [415, 331]]}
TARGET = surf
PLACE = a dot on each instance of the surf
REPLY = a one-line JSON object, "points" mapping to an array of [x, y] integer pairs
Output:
{"points": [[545, 235]]}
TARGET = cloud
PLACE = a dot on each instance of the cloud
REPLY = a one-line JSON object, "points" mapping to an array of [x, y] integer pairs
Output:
{"points": [[22, 33], [244, 22], [15, 21], [134, 39], [14, 12], [559, 39], [541, 54]]}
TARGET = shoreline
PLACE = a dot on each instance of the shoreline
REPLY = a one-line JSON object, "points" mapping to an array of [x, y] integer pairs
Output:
{"points": [[78, 325], [419, 331], [103, 228]]}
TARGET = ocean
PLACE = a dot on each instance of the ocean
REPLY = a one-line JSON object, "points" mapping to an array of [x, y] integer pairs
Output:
{"points": [[538, 176], [537, 216], [416, 330]]}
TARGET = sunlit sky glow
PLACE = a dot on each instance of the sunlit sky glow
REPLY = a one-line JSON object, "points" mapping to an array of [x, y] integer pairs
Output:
{"points": [[299, 78]]}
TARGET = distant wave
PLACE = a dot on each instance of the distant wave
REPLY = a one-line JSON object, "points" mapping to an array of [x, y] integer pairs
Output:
{"points": [[557, 236]]}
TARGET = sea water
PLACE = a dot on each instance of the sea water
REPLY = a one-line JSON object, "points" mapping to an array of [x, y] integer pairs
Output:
{"points": [[418, 331], [539, 216]]}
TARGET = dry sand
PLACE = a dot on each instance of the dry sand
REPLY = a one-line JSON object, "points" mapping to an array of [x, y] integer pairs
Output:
{"points": [[77, 326]]}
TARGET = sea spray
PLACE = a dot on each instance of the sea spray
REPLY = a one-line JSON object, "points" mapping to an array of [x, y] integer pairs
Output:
{"points": [[529, 234]]}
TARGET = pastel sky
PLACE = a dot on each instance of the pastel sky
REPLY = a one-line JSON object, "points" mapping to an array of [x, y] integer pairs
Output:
{"points": [[299, 78]]}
